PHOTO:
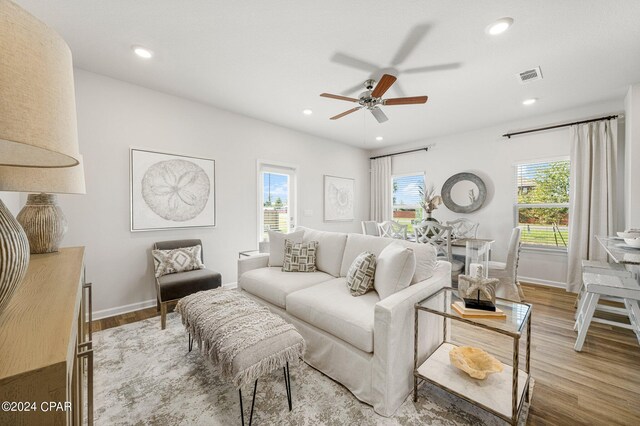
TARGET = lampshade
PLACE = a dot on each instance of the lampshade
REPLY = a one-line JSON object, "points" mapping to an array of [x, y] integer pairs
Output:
{"points": [[65, 180], [37, 102]]}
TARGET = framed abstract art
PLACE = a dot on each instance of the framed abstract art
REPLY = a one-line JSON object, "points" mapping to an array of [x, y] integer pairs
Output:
{"points": [[339, 196]]}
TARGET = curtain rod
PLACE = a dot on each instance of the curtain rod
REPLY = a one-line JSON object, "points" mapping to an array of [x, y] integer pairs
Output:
{"points": [[508, 135], [425, 149]]}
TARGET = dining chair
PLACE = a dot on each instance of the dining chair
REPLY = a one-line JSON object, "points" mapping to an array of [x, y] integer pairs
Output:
{"points": [[463, 228], [507, 272], [391, 229], [439, 236], [370, 227]]}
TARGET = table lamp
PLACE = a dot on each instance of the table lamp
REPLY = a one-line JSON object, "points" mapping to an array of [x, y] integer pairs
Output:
{"points": [[37, 120]]}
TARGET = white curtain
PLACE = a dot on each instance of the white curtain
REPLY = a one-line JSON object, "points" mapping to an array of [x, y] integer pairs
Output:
{"points": [[591, 194], [381, 196]]}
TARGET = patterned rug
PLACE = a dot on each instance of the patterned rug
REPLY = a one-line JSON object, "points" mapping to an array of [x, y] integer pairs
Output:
{"points": [[146, 376]]}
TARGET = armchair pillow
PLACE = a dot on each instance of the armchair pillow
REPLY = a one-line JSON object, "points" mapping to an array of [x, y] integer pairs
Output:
{"points": [[361, 273], [395, 268], [276, 245], [299, 257], [177, 260]]}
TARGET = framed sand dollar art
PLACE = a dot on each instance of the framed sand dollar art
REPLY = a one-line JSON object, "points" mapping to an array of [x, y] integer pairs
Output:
{"points": [[171, 191]]}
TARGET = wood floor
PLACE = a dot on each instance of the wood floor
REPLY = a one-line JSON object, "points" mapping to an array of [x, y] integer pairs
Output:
{"points": [[598, 386]]}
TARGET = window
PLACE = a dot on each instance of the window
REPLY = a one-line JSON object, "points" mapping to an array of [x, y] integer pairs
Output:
{"points": [[542, 203], [276, 199], [406, 199]]}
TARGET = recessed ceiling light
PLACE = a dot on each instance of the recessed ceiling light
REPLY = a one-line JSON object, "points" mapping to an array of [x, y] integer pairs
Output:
{"points": [[307, 112], [500, 26], [142, 52], [529, 101], [379, 138]]}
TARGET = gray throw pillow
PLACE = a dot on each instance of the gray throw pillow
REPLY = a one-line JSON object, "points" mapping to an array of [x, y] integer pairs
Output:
{"points": [[299, 257], [177, 260], [276, 245], [361, 274]]}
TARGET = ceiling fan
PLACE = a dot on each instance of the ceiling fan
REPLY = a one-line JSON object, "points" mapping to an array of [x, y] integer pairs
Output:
{"points": [[371, 98]]}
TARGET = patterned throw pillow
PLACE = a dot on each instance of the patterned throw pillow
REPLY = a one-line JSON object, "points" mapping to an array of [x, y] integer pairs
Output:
{"points": [[361, 273], [177, 260], [299, 257]]}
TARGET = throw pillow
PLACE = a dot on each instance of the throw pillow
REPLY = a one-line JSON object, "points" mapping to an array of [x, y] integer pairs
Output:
{"points": [[299, 257], [177, 260], [361, 273], [395, 268], [426, 260], [276, 245]]}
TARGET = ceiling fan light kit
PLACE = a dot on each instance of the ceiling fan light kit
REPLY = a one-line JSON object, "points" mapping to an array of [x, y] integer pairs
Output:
{"points": [[371, 98]]}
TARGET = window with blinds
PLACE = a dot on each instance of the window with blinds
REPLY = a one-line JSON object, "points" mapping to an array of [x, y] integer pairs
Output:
{"points": [[406, 199], [542, 203]]}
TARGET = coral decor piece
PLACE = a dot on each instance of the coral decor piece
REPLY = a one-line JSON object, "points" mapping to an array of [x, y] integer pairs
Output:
{"points": [[429, 200], [476, 362]]}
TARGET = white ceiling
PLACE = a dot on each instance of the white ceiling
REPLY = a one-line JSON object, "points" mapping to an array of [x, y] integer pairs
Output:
{"points": [[271, 59]]}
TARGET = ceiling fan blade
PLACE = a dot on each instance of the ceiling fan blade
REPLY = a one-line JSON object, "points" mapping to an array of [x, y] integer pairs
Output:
{"points": [[357, 88], [406, 101], [339, 97], [352, 62], [383, 85], [335, 117], [415, 36], [379, 115], [429, 68]]}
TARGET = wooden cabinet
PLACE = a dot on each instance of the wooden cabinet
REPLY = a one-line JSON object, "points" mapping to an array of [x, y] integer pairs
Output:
{"points": [[46, 356]]}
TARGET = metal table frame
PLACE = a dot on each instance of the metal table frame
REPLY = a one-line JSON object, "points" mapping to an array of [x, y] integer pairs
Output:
{"points": [[515, 404]]}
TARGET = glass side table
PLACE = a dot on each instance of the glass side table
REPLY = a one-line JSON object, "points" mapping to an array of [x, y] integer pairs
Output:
{"points": [[501, 394]]}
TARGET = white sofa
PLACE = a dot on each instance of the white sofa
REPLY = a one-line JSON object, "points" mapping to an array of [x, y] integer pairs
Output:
{"points": [[363, 342]]}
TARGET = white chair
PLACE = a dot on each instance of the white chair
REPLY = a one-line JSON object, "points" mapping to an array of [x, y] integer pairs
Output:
{"points": [[391, 229], [507, 273], [597, 286], [463, 228], [439, 236], [370, 227]]}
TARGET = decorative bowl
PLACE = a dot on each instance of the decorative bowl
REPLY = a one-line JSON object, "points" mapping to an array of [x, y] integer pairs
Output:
{"points": [[476, 362], [629, 234], [633, 242]]}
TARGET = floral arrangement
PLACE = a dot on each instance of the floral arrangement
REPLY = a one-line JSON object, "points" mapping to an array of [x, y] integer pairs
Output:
{"points": [[429, 200]]}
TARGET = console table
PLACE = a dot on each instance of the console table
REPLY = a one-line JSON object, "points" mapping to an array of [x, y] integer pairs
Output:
{"points": [[45, 344]]}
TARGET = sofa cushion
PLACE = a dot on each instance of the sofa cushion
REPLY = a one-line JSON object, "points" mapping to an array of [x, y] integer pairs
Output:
{"points": [[273, 285], [330, 249], [357, 243], [276, 245], [361, 273], [395, 269], [299, 257], [330, 307]]}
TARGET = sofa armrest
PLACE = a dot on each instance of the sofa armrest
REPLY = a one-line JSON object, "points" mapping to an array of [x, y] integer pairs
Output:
{"points": [[252, 262], [393, 337]]}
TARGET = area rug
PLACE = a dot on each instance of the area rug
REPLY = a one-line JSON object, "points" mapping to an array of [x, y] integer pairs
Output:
{"points": [[146, 376]]}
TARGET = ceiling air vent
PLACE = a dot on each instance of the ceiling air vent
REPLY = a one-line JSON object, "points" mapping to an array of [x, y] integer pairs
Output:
{"points": [[530, 75]]}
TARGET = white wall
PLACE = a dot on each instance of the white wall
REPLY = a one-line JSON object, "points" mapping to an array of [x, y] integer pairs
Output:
{"points": [[113, 116], [632, 158], [486, 153]]}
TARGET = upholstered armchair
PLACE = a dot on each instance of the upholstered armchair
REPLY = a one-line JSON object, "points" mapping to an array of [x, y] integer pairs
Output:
{"points": [[173, 287]]}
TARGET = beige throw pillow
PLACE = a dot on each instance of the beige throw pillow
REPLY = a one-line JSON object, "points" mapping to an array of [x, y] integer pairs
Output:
{"points": [[276, 245], [394, 270], [361, 274], [177, 260], [299, 257]]}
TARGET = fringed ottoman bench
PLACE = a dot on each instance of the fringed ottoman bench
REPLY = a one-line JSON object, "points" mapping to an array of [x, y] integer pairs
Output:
{"points": [[243, 339]]}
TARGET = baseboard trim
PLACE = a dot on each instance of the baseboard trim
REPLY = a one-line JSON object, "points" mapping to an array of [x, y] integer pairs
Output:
{"points": [[540, 281], [111, 312]]}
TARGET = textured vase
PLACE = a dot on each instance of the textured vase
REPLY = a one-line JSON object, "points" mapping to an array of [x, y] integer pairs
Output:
{"points": [[14, 255], [43, 222]]}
